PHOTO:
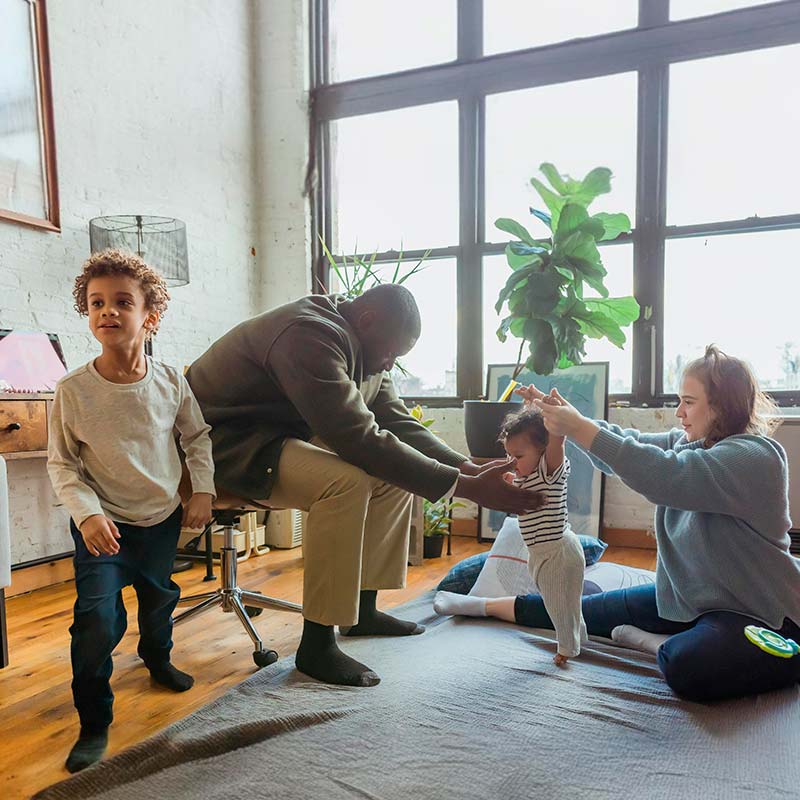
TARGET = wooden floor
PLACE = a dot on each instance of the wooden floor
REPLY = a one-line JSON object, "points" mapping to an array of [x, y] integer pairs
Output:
{"points": [[38, 721]]}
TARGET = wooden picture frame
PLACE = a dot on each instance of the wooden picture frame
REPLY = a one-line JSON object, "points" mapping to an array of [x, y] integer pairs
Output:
{"points": [[586, 387], [28, 181]]}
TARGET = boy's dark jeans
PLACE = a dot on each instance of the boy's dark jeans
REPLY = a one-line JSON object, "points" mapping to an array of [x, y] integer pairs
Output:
{"points": [[704, 660], [144, 560]]}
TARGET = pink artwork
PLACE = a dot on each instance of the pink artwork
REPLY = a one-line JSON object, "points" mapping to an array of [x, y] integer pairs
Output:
{"points": [[29, 361]]}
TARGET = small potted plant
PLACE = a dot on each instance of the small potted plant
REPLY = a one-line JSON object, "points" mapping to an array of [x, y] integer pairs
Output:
{"points": [[438, 519], [547, 309]]}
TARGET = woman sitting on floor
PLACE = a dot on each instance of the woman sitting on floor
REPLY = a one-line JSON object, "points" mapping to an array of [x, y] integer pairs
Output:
{"points": [[721, 490]]}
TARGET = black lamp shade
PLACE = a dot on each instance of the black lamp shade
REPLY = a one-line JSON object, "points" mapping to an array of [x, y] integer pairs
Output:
{"points": [[160, 241]]}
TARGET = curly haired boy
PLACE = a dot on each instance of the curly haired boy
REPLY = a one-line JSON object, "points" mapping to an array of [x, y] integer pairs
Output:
{"points": [[114, 464]]}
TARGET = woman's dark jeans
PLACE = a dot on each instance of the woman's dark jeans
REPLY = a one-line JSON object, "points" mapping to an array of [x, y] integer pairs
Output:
{"points": [[707, 659]]}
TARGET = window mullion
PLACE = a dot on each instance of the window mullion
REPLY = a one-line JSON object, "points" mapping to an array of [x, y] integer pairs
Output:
{"points": [[648, 252]]}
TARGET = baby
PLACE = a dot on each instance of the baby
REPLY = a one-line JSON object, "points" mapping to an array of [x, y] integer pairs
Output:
{"points": [[555, 555]]}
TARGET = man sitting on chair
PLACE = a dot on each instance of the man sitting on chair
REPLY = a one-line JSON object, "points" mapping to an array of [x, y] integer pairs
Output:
{"points": [[304, 415]]}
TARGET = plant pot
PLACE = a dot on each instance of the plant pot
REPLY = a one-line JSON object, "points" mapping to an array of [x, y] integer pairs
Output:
{"points": [[432, 546], [482, 423]]}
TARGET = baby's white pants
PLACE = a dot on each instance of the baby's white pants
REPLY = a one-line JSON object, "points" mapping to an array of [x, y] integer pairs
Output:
{"points": [[557, 570]]}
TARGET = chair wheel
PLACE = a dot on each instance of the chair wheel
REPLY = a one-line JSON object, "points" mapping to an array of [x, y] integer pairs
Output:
{"points": [[253, 611], [264, 658]]}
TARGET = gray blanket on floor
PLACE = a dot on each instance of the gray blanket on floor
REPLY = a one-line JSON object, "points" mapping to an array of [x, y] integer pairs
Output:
{"points": [[470, 709]]}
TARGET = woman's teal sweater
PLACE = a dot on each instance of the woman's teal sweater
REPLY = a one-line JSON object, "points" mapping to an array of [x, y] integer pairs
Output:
{"points": [[722, 521]]}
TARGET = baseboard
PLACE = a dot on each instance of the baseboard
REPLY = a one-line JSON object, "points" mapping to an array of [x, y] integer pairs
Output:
{"points": [[629, 537], [26, 579]]}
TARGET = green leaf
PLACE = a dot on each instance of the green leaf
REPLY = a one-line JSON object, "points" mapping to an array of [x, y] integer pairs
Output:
{"points": [[596, 282], [519, 260], [565, 363], [552, 175], [577, 245], [542, 346], [543, 292], [623, 310], [515, 229], [517, 326], [518, 301], [613, 225], [522, 249], [553, 201], [599, 326], [571, 219], [597, 182], [565, 272], [515, 280], [543, 216]]}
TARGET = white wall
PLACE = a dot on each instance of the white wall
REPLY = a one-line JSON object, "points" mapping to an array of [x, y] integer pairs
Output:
{"points": [[153, 115], [281, 149], [188, 108]]}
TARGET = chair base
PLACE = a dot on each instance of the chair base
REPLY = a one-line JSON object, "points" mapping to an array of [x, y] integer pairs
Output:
{"points": [[232, 598]]}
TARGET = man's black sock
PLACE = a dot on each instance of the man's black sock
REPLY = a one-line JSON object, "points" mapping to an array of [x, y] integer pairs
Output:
{"points": [[88, 749], [372, 622], [172, 678], [320, 657]]}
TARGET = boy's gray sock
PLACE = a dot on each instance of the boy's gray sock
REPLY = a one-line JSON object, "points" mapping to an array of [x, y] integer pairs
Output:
{"points": [[450, 603]]}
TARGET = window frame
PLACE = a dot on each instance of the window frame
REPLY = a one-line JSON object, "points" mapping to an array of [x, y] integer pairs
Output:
{"points": [[649, 50]]}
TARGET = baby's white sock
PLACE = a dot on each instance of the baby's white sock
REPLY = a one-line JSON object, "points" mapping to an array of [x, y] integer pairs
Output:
{"points": [[636, 638], [459, 604]]}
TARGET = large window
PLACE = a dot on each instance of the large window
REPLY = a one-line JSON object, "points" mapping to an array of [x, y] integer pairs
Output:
{"points": [[373, 37], [694, 106], [394, 179]]}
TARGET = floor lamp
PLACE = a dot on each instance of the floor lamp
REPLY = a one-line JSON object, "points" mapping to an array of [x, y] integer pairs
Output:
{"points": [[161, 242]]}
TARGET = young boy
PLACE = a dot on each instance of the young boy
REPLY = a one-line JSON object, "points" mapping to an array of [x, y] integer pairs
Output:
{"points": [[114, 464]]}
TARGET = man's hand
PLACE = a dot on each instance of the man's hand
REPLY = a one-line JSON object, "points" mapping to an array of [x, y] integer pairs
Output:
{"points": [[469, 468], [197, 512], [491, 490], [100, 535]]}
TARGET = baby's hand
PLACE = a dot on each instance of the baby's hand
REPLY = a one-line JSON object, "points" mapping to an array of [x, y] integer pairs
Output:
{"points": [[529, 393], [553, 399]]}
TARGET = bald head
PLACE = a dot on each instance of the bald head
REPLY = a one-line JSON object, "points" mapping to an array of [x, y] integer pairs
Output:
{"points": [[394, 305], [387, 322]]}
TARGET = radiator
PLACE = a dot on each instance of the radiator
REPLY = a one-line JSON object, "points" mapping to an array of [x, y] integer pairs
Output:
{"points": [[284, 528]]}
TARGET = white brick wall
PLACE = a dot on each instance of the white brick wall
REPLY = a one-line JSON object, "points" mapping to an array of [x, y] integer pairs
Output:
{"points": [[189, 108]]}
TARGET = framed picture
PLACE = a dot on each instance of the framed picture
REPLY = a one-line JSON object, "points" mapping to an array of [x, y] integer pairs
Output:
{"points": [[28, 186], [489, 523], [586, 387]]}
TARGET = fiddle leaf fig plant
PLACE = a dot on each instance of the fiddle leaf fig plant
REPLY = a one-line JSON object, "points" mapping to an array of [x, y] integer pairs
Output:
{"points": [[547, 308]]}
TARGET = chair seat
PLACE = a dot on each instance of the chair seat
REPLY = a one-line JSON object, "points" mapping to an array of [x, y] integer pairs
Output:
{"points": [[225, 500]]}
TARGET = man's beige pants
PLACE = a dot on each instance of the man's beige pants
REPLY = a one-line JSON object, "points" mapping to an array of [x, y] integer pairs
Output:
{"points": [[357, 530]]}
